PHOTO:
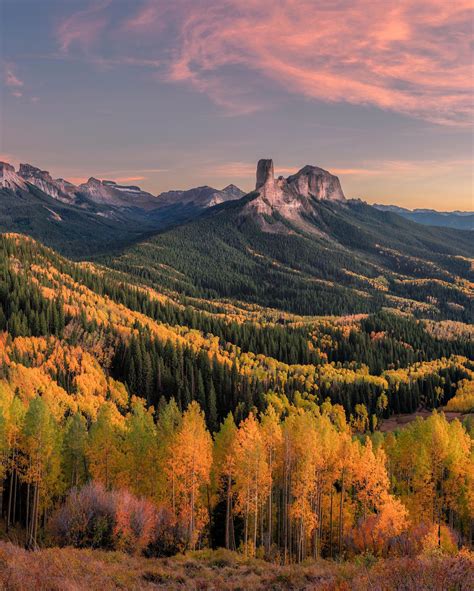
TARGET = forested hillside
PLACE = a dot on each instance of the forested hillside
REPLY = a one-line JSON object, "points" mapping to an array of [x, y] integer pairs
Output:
{"points": [[72, 230], [349, 258], [226, 424]]}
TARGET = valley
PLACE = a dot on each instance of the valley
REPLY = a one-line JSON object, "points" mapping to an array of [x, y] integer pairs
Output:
{"points": [[266, 375]]}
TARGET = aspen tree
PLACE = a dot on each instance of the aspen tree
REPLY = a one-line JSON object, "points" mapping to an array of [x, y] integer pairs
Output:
{"points": [[224, 472], [140, 450], [253, 478], [192, 465], [41, 449], [104, 451]]}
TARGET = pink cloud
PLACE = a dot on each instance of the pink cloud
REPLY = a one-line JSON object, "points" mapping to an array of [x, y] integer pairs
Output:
{"points": [[356, 51], [83, 28], [129, 179], [11, 79], [406, 169], [411, 56]]}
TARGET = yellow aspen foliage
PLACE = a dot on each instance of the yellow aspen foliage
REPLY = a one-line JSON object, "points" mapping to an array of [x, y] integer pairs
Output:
{"points": [[192, 466], [252, 477], [139, 469], [105, 446]]}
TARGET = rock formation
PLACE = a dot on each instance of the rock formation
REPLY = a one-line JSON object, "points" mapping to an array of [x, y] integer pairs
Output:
{"points": [[200, 197], [309, 182], [9, 179], [110, 193], [58, 189], [294, 198]]}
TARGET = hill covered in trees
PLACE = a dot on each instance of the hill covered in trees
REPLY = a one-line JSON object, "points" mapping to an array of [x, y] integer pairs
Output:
{"points": [[177, 423], [284, 247], [294, 244]]}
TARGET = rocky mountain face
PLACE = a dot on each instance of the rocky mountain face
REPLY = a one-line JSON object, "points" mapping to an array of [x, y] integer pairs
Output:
{"points": [[298, 244], [201, 197], [58, 189], [9, 179], [104, 213], [292, 199], [110, 193]]}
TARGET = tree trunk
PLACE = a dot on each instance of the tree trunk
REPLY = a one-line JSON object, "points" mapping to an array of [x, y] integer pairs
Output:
{"points": [[15, 491], [341, 513], [227, 514], [28, 508], [10, 495], [330, 523]]}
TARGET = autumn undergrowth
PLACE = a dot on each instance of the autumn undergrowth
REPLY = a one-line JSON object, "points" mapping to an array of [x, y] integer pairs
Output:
{"points": [[59, 569]]}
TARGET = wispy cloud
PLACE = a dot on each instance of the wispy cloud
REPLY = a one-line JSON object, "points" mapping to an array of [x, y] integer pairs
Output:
{"points": [[410, 57], [128, 179], [83, 27], [12, 80], [375, 169], [416, 59], [427, 167], [119, 176]]}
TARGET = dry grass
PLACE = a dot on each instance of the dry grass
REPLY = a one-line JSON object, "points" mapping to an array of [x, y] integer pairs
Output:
{"points": [[70, 570]]}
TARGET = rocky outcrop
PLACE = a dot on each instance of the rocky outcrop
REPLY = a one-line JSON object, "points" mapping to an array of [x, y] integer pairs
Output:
{"points": [[112, 194], [309, 182], [200, 197], [312, 181], [265, 173], [58, 189], [293, 199], [9, 179]]}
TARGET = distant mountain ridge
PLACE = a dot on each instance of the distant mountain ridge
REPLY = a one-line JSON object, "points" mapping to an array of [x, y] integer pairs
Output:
{"points": [[110, 193], [96, 215], [461, 220]]}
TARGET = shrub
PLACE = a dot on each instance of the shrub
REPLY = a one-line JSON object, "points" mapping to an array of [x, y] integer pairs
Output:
{"points": [[86, 519], [169, 536], [135, 521], [92, 517]]}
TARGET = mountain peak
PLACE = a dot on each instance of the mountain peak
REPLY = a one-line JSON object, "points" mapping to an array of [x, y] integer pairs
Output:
{"points": [[232, 188], [92, 181], [293, 198], [312, 181], [9, 179], [58, 189], [309, 181], [28, 171], [265, 173]]}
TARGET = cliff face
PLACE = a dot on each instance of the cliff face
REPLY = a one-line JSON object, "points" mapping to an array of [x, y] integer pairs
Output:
{"points": [[312, 181], [9, 179], [294, 198], [58, 189], [110, 193], [200, 197], [309, 182]]}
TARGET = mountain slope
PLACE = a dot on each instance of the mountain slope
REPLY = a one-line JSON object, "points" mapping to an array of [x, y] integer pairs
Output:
{"points": [[94, 217], [298, 245], [175, 207], [74, 231], [461, 220]]}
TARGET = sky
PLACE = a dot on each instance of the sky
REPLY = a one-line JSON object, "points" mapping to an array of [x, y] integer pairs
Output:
{"points": [[172, 94]]}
